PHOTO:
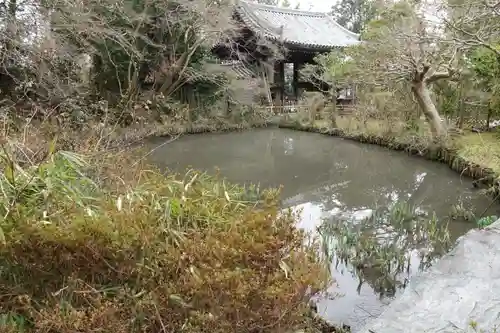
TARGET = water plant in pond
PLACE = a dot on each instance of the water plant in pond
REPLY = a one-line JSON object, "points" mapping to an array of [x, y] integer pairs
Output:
{"points": [[379, 248], [474, 328], [486, 221], [461, 211]]}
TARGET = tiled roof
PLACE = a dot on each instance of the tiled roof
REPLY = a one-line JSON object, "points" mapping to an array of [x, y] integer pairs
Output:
{"points": [[295, 27], [235, 69], [241, 71]]}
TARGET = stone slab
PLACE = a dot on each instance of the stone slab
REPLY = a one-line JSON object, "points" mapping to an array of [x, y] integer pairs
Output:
{"points": [[461, 287]]}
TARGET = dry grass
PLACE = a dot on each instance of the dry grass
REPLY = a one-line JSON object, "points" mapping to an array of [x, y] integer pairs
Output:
{"points": [[93, 135], [352, 125], [372, 126], [376, 127], [103, 246], [480, 148]]}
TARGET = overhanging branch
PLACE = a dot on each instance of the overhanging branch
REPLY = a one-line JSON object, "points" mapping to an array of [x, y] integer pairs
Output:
{"points": [[439, 76]]}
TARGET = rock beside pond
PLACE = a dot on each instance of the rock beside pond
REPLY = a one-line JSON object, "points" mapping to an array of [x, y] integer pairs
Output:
{"points": [[316, 324], [456, 294]]}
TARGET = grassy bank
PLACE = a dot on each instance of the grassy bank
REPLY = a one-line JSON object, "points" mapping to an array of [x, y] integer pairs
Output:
{"points": [[476, 155], [480, 148], [96, 135], [210, 125], [95, 245]]}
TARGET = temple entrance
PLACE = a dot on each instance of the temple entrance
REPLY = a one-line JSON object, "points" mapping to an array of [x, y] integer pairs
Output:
{"points": [[277, 42]]}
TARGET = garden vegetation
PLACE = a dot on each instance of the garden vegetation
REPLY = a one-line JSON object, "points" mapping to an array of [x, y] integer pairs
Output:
{"points": [[110, 249]]}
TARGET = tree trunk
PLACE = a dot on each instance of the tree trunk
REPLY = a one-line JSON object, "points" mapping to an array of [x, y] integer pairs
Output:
{"points": [[488, 117], [427, 106], [173, 76], [461, 105]]}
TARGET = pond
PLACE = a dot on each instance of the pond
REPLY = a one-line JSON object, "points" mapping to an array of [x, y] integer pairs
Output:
{"points": [[331, 179]]}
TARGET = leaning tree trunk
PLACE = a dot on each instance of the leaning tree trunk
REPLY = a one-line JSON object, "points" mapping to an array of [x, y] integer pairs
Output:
{"points": [[488, 117], [423, 96], [461, 105]]}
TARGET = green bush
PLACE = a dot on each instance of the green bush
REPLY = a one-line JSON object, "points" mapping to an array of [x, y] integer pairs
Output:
{"points": [[139, 251]]}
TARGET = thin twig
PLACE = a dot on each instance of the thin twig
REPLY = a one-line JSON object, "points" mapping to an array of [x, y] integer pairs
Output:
{"points": [[154, 149], [163, 328]]}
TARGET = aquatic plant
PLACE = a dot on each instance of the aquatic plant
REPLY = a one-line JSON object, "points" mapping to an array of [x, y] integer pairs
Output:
{"points": [[379, 248], [460, 211], [474, 327], [483, 222], [106, 247]]}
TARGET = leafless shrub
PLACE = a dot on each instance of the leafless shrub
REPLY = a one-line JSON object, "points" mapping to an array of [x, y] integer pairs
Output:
{"points": [[64, 50]]}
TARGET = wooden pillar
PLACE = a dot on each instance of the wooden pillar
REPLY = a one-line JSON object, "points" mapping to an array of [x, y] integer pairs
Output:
{"points": [[279, 82], [267, 75], [353, 91], [296, 80], [268, 69]]}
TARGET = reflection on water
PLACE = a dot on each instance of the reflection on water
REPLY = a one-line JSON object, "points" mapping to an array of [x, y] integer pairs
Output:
{"points": [[329, 177], [379, 248]]}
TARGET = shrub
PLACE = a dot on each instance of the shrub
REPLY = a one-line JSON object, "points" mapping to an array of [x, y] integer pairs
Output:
{"points": [[158, 253]]}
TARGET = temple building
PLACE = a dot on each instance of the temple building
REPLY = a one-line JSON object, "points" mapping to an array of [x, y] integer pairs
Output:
{"points": [[275, 43]]}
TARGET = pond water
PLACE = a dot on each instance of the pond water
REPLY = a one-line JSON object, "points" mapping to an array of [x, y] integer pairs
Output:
{"points": [[327, 177]]}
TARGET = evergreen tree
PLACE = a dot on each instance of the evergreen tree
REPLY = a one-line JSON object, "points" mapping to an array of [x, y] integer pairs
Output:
{"points": [[354, 14]]}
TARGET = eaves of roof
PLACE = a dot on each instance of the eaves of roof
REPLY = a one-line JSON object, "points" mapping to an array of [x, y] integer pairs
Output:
{"points": [[295, 28]]}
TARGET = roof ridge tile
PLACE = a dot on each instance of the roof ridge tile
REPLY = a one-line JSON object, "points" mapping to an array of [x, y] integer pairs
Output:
{"points": [[295, 27], [281, 9]]}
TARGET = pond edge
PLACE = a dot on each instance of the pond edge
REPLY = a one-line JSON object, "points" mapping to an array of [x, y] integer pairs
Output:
{"points": [[177, 130], [481, 176], [434, 152]]}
